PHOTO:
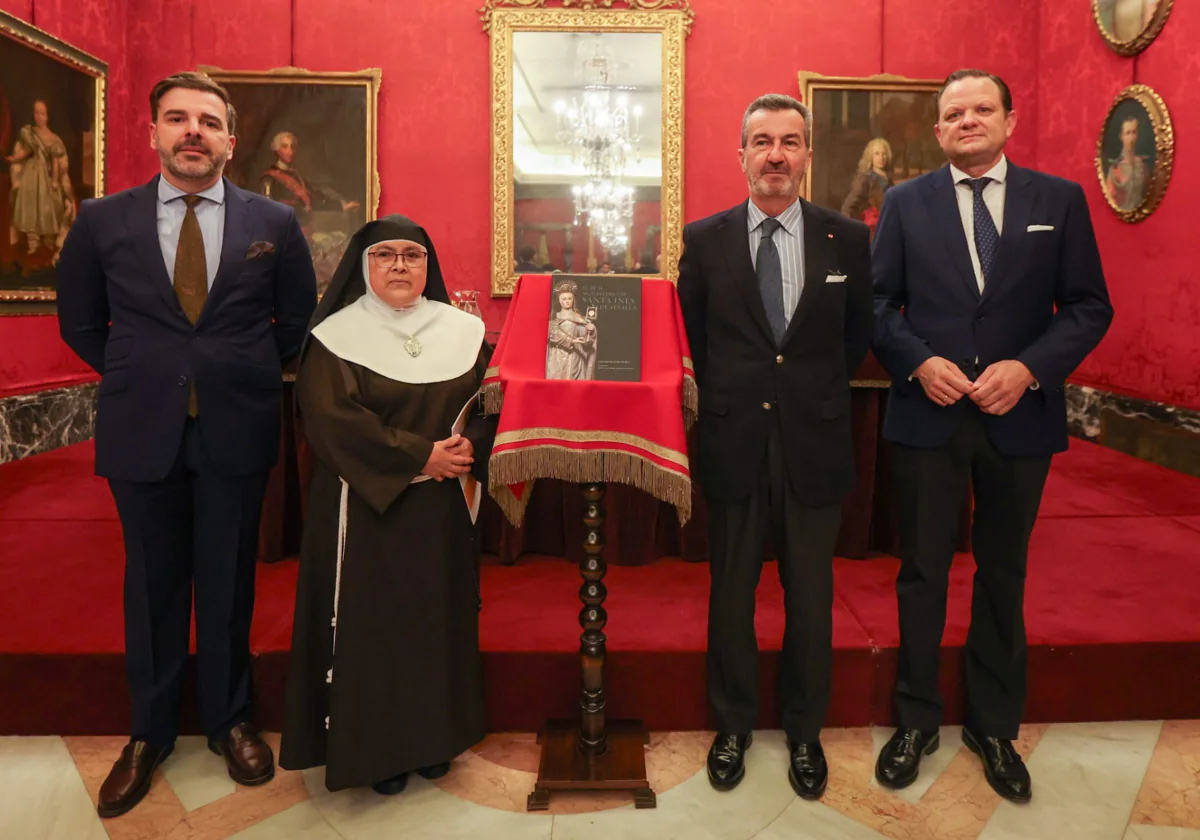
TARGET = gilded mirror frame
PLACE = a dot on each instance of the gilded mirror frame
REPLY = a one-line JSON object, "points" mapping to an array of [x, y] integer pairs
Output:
{"points": [[672, 19]]}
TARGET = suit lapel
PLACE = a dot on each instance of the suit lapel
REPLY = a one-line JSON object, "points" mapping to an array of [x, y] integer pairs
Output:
{"points": [[141, 220], [1018, 207], [819, 259], [735, 242], [234, 244], [944, 214]]}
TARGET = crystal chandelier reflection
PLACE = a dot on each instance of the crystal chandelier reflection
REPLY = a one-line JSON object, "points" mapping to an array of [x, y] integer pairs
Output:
{"points": [[604, 133], [607, 208]]}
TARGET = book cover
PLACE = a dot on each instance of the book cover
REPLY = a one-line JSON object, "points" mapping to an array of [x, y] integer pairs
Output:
{"points": [[595, 328]]}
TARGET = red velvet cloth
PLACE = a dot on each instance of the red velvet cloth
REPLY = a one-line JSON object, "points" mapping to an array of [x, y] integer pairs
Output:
{"points": [[557, 428]]}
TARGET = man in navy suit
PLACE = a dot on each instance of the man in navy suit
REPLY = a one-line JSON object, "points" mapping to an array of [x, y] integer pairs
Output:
{"points": [[988, 294], [187, 295]]}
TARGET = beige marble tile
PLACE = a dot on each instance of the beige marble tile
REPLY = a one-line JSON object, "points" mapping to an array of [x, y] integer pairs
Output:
{"points": [[932, 766], [300, 822], [693, 810], [1160, 832], [422, 811], [1086, 777], [813, 821], [514, 750], [44, 796], [197, 775], [1170, 793]]}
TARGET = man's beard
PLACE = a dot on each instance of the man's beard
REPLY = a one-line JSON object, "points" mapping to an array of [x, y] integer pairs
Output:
{"points": [[762, 186], [192, 170]]}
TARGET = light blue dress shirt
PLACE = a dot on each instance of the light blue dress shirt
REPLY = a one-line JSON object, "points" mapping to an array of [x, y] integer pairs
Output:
{"points": [[789, 241], [210, 213]]}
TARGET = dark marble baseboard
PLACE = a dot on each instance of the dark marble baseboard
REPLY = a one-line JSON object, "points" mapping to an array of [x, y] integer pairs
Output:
{"points": [[33, 423], [1157, 432]]}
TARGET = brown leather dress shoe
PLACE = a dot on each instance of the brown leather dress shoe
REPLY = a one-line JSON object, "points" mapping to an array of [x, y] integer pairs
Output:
{"points": [[129, 780], [247, 756]]}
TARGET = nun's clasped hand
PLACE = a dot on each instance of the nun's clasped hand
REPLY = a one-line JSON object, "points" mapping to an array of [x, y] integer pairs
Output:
{"points": [[450, 458]]}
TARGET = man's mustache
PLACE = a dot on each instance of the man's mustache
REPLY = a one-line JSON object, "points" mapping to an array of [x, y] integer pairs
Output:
{"points": [[194, 143]]}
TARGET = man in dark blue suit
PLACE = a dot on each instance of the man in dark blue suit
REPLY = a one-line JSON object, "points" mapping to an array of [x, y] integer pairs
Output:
{"points": [[988, 294], [187, 295]]}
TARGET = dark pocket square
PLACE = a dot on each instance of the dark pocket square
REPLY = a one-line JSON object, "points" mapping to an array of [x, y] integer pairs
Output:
{"points": [[259, 248]]}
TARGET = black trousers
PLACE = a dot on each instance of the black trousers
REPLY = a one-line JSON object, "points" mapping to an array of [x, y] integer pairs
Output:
{"points": [[930, 487], [804, 540], [194, 529]]}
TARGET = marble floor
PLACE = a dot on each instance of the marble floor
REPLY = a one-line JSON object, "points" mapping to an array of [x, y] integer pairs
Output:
{"points": [[1125, 781]]}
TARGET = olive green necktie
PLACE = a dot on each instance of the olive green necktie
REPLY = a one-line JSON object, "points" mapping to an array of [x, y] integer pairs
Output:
{"points": [[191, 274]]}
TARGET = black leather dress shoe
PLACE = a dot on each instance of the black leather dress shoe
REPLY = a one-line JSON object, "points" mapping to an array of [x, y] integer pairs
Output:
{"points": [[899, 761], [1002, 765], [434, 771], [392, 786], [807, 770], [727, 760]]}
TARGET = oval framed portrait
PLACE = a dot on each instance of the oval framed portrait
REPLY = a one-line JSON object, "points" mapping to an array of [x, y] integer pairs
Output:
{"points": [[1135, 152], [1129, 26]]}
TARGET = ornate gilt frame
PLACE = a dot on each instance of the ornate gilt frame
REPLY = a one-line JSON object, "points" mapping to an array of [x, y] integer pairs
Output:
{"points": [[1140, 41], [30, 36], [671, 18], [369, 79], [1164, 151]]}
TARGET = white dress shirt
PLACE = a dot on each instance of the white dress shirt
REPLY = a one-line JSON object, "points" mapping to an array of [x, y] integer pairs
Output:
{"points": [[993, 197], [210, 213], [789, 241]]}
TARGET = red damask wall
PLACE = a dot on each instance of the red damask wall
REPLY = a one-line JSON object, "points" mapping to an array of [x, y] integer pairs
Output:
{"points": [[1153, 348], [434, 146]]}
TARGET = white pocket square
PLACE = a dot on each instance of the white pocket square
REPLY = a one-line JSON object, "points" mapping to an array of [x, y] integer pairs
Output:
{"points": [[835, 278], [1034, 228]]}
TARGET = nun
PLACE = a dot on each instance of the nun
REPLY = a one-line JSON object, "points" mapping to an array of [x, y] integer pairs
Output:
{"points": [[385, 676]]}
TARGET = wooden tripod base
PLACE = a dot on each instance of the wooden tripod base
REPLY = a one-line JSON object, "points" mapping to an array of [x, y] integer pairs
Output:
{"points": [[565, 766]]}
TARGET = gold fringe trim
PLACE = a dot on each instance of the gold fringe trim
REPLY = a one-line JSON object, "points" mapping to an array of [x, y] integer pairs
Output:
{"points": [[512, 507], [552, 461], [691, 402], [492, 395]]}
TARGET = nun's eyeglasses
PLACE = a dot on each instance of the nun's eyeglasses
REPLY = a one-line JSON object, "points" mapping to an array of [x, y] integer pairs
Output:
{"points": [[386, 257]]}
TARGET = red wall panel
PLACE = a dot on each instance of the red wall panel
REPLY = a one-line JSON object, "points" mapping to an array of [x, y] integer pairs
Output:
{"points": [[1153, 348]]}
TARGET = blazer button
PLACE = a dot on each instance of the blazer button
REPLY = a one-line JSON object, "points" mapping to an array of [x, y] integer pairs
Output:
{"points": [[183, 380], [779, 360], [767, 406]]}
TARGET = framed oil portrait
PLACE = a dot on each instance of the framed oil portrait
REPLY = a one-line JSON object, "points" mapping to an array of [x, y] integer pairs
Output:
{"points": [[869, 134], [1129, 26], [52, 144], [309, 140], [1135, 153]]}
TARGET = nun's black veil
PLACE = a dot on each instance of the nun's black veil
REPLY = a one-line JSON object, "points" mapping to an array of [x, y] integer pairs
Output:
{"points": [[348, 284]]}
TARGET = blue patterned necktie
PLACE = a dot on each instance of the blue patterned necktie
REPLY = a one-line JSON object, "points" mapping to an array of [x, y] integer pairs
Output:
{"points": [[987, 240], [770, 278]]}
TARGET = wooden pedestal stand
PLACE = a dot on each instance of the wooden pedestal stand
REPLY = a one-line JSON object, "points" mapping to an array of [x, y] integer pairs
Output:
{"points": [[591, 755]]}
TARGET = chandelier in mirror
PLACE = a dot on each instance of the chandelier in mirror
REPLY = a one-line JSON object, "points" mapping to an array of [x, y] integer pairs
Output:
{"points": [[607, 208], [603, 131]]}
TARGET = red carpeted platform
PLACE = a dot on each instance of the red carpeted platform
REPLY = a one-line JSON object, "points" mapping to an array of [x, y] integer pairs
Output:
{"points": [[1112, 610]]}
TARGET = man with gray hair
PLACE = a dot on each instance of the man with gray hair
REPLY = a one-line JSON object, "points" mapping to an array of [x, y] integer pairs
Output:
{"points": [[776, 297], [283, 182]]}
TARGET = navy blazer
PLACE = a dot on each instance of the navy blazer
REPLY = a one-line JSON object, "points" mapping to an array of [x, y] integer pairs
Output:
{"points": [[1046, 305], [118, 310]]}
